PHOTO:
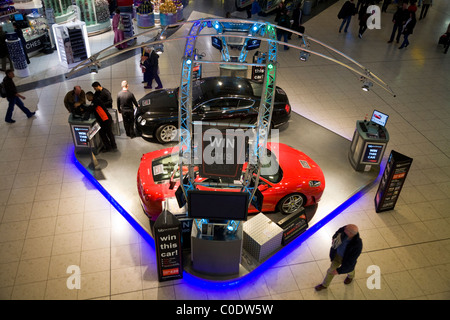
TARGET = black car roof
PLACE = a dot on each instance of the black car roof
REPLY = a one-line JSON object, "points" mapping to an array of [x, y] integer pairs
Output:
{"points": [[224, 86]]}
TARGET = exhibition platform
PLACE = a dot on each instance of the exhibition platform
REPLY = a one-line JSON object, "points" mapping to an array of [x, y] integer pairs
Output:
{"points": [[116, 174]]}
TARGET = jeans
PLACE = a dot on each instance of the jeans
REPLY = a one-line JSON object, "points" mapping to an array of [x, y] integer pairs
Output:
{"points": [[285, 38], [12, 102], [336, 263], [345, 20], [405, 42]]}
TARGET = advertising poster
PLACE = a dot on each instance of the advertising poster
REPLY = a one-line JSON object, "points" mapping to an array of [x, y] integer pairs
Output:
{"points": [[167, 232], [392, 181]]}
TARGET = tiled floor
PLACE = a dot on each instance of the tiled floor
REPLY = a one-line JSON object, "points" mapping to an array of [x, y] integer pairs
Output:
{"points": [[52, 217]]}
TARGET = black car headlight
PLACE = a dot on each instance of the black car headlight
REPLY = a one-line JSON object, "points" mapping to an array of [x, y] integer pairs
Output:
{"points": [[314, 183]]}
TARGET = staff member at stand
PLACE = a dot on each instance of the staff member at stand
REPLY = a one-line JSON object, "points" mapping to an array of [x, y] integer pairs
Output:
{"points": [[13, 97], [104, 119], [102, 94], [125, 102], [75, 101]]}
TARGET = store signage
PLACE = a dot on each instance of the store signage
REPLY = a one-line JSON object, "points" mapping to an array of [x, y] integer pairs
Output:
{"points": [[80, 135], [372, 153], [392, 181], [35, 44], [167, 232]]}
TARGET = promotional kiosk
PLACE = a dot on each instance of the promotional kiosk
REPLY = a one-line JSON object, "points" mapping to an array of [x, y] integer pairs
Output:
{"points": [[369, 142]]}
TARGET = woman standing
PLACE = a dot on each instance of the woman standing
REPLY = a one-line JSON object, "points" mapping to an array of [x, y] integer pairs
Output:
{"points": [[118, 27], [408, 28]]}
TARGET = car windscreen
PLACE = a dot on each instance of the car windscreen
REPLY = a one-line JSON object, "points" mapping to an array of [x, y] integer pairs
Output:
{"points": [[224, 86], [270, 168], [162, 168]]}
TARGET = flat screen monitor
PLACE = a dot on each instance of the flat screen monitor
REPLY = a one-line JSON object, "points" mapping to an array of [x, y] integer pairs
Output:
{"points": [[379, 118], [216, 43], [218, 205], [18, 17], [253, 44]]}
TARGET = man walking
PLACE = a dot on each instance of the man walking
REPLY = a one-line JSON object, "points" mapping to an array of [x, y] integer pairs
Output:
{"points": [[345, 249], [151, 69], [125, 102], [347, 11], [13, 98]]}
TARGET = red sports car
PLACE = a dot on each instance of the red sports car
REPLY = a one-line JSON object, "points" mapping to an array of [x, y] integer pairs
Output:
{"points": [[296, 182]]}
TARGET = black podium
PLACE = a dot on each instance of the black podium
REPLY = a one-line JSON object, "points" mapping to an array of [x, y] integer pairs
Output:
{"points": [[80, 133]]}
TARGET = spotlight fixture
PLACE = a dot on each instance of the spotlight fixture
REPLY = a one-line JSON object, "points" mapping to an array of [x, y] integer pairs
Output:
{"points": [[304, 55], [93, 69], [366, 85], [159, 48]]}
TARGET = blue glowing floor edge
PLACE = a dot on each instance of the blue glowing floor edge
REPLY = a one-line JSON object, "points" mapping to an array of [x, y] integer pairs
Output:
{"points": [[251, 276]]}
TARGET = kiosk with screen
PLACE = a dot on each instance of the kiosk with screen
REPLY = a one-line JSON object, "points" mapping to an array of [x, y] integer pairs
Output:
{"points": [[215, 250], [369, 142]]}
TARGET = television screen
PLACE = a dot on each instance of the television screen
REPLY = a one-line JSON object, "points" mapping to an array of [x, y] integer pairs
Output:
{"points": [[18, 17], [216, 43], [379, 118], [217, 205], [253, 44]]}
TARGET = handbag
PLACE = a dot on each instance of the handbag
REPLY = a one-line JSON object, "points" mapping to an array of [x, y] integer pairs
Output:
{"points": [[120, 26]]}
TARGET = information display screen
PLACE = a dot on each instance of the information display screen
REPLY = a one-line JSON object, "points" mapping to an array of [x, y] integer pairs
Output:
{"points": [[80, 134], [216, 43], [253, 44], [372, 153], [379, 118]]}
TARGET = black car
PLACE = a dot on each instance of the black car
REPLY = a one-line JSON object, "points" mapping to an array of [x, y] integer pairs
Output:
{"points": [[224, 99]]}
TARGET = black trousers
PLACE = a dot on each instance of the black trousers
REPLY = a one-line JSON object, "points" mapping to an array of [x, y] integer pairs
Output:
{"points": [[107, 135], [128, 123]]}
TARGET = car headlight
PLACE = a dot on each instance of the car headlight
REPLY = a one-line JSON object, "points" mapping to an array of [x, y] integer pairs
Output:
{"points": [[143, 122], [314, 183]]}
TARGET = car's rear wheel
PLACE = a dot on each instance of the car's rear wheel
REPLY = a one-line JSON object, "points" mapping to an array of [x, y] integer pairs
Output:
{"points": [[292, 203], [166, 133]]}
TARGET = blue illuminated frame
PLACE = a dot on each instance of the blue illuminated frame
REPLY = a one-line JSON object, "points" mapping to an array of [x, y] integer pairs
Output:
{"points": [[264, 266]]}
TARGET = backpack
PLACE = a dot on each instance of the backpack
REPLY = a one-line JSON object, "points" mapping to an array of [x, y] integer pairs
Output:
{"points": [[2, 90]]}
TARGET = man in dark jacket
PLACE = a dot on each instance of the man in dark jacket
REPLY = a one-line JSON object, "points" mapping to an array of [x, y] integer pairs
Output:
{"points": [[399, 18], [347, 11], [125, 104], [14, 98], [104, 120], [151, 69], [102, 94], [345, 250]]}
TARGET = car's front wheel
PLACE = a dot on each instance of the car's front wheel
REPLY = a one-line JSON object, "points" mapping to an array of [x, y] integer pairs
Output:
{"points": [[291, 203], [166, 133]]}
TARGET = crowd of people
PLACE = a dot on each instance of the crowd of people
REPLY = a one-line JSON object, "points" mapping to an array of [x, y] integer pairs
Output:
{"points": [[404, 19]]}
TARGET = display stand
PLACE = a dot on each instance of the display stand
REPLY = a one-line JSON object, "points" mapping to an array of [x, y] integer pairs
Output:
{"points": [[80, 130], [392, 182], [368, 145], [91, 135], [115, 121], [17, 54], [127, 19], [214, 251], [72, 43]]}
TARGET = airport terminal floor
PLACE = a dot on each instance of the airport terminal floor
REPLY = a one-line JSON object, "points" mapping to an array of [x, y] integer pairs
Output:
{"points": [[52, 217]]}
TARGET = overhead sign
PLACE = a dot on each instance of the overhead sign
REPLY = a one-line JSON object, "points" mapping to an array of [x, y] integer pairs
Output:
{"points": [[253, 44]]}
